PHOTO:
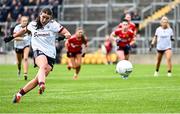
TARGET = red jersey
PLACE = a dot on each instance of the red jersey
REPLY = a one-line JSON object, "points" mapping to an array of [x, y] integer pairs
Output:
{"points": [[75, 44], [126, 37], [131, 26]]}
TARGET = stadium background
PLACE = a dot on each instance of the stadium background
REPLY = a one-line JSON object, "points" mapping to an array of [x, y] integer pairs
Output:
{"points": [[99, 89], [98, 18]]}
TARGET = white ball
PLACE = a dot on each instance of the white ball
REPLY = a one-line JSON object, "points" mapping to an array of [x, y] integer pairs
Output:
{"points": [[124, 67]]}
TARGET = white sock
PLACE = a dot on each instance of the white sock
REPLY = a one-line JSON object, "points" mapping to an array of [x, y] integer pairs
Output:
{"points": [[18, 94]]}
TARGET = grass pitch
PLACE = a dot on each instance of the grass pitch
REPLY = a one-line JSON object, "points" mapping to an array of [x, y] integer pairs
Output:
{"points": [[98, 90]]}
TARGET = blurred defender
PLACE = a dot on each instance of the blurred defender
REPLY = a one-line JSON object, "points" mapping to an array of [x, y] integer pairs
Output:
{"points": [[108, 46], [22, 47], [74, 47], [124, 38], [163, 37]]}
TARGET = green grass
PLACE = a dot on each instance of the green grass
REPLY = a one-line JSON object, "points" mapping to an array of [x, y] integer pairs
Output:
{"points": [[98, 90]]}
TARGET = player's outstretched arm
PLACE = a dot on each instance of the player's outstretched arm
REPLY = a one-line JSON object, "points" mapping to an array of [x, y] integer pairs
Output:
{"points": [[20, 33], [66, 33], [17, 34]]}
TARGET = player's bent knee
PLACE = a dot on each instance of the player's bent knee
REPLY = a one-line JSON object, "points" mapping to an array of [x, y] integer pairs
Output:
{"points": [[25, 59], [44, 67]]}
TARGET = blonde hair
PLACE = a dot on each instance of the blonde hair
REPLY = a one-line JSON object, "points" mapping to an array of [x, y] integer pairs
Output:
{"points": [[165, 18]]}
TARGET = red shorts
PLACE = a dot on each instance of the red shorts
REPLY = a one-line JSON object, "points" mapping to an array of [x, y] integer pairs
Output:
{"points": [[73, 54]]}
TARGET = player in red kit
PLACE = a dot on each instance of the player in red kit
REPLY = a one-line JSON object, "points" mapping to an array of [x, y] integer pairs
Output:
{"points": [[109, 46], [131, 25], [74, 47], [124, 38]]}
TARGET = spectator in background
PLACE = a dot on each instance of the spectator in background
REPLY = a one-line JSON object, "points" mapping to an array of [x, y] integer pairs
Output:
{"points": [[32, 2], [55, 4], [24, 2], [16, 10], [44, 2], [26, 11], [5, 2], [3, 14]]}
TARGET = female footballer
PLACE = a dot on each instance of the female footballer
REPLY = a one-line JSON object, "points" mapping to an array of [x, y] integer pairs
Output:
{"points": [[124, 38], [43, 31], [74, 51], [22, 47], [163, 37]]}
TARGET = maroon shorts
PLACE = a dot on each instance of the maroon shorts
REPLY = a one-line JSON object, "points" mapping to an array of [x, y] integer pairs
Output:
{"points": [[73, 54]]}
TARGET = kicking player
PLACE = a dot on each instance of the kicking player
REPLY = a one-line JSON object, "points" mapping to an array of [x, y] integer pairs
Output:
{"points": [[22, 47], [163, 37], [74, 51], [124, 38], [43, 31]]}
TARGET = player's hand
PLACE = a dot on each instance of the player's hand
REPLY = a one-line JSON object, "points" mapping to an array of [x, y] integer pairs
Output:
{"points": [[172, 39], [151, 46], [61, 38], [128, 46], [8, 38], [83, 54], [118, 40]]}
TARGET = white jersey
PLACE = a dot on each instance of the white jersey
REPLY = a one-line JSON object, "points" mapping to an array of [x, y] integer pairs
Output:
{"points": [[44, 39], [163, 38], [21, 43]]}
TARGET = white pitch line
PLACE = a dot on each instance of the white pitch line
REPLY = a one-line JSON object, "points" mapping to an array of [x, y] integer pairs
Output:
{"points": [[176, 88]]}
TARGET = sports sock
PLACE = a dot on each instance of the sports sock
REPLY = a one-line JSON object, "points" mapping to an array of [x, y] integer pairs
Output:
{"points": [[78, 69], [169, 71], [21, 92], [41, 83]]}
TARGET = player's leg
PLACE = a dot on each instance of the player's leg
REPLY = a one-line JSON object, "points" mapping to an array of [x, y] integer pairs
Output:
{"points": [[69, 64], [168, 54], [120, 54], [44, 68], [25, 57], [18, 62], [126, 53], [78, 61], [158, 62], [71, 61], [28, 87], [126, 56], [108, 58]]}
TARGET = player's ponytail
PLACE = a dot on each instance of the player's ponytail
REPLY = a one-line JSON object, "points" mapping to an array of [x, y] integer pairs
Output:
{"points": [[83, 39], [47, 11], [38, 25]]}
